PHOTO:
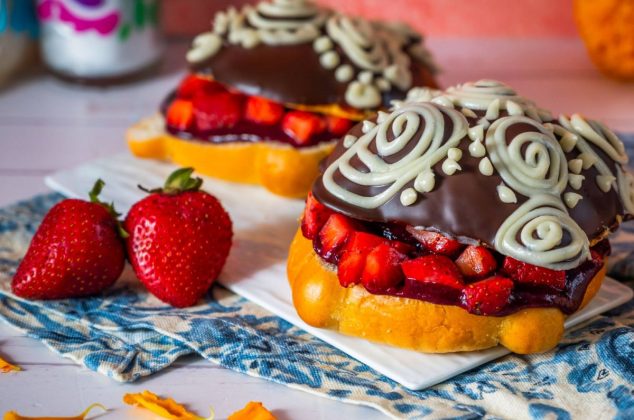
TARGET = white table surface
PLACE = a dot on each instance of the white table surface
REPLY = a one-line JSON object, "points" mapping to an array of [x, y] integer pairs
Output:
{"points": [[46, 125]]}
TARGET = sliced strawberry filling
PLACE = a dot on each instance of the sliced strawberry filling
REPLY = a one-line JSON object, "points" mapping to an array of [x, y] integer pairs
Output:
{"points": [[202, 108], [418, 264]]}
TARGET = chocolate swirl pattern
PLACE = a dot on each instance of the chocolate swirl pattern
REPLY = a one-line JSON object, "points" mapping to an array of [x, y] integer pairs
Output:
{"points": [[536, 231], [370, 57], [536, 164], [422, 124]]}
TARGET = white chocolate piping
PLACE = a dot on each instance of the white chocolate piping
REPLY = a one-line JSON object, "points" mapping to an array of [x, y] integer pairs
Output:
{"points": [[485, 167]]}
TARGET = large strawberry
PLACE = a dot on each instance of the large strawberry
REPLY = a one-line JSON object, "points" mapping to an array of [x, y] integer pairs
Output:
{"points": [[179, 239], [77, 251]]}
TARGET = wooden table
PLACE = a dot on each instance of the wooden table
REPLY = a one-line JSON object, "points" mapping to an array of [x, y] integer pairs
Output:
{"points": [[46, 125]]}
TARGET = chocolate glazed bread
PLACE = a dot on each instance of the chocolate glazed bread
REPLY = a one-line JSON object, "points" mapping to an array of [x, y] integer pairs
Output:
{"points": [[461, 219]]}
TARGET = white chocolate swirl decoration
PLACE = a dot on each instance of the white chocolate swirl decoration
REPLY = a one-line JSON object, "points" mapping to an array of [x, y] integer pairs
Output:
{"points": [[405, 125], [286, 21], [535, 233], [532, 162]]}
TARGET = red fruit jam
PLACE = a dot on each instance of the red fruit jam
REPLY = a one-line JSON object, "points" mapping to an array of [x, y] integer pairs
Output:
{"points": [[397, 260], [219, 115]]}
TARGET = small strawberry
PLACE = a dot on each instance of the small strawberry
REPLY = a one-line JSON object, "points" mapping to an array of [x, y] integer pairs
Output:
{"points": [[382, 268], [353, 257], [333, 236], [193, 84], [315, 216], [302, 126], [77, 251], [476, 262], [487, 297], [433, 269], [218, 110], [523, 272], [262, 111], [435, 242], [180, 114], [179, 239], [338, 126]]}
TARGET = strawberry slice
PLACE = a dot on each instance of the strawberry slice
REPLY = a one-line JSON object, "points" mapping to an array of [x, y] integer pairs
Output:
{"points": [[302, 126], [180, 114], [434, 269], [487, 297], [193, 84], [353, 257], [435, 242], [219, 110], [315, 215], [338, 126], [476, 262], [262, 111], [333, 235], [523, 272], [382, 268]]}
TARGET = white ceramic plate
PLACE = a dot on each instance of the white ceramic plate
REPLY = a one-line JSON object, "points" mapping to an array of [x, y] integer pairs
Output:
{"points": [[264, 225]]}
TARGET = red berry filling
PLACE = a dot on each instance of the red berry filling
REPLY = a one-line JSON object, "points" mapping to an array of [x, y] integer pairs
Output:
{"points": [[202, 108], [413, 263]]}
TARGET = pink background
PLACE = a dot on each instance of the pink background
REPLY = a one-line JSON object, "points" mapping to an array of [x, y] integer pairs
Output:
{"points": [[443, 18]]}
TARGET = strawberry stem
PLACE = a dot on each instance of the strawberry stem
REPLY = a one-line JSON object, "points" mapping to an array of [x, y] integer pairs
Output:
{"points": [[94, 198], [179, 181]]}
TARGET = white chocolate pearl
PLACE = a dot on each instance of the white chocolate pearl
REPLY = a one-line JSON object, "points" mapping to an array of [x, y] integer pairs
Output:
{"points": [[477, 149], [322, 44], [450, 166], [476, 133], [588, 160], [468, 113], [365, 77], [329, 60], [484, 123], [408, 197], [425, 181], [362, 96], [506, 194], [485, 167], [568, 141], [513, 108], [344, 73], [382, 116], [605, 182], [575, 181], [349, 140], [575, 165], [383, 84], [572, 199], [455, 154], [367, 126], [204, 46], [493, 111]]}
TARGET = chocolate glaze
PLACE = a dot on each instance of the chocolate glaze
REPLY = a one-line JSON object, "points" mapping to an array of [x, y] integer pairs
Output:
{"points": [[290, 74], [466, 205]]}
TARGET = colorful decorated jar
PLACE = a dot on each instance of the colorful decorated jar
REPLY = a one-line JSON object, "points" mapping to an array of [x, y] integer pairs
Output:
{"points": [[18, 32], [99, 40]]}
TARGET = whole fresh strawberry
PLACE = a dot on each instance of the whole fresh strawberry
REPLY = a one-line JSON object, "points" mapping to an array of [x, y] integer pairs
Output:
{"points": [[179, 239], [77, 251]]}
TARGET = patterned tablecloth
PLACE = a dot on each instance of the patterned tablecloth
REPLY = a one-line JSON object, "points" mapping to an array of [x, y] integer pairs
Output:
{"points": [[127, 334]]}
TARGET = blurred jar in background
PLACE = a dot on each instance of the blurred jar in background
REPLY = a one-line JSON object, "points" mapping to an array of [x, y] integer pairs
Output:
{"points": [[18, 33], [99, 41]]}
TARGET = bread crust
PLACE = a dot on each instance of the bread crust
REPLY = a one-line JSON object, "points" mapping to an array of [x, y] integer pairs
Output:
{"points": [[280, 168], [411, 323]]}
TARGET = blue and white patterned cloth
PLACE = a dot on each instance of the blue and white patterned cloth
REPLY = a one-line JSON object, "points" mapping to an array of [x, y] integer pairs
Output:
{"points": [[127, 334]]}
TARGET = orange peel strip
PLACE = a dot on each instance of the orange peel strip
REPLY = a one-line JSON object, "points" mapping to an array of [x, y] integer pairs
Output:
{"points": [[164, 407], [6, 367], [12, 415], [252, 411]]}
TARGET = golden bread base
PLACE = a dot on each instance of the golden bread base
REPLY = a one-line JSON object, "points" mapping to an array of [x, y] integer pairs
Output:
{"points": [[410, 323], [280, 168]]}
